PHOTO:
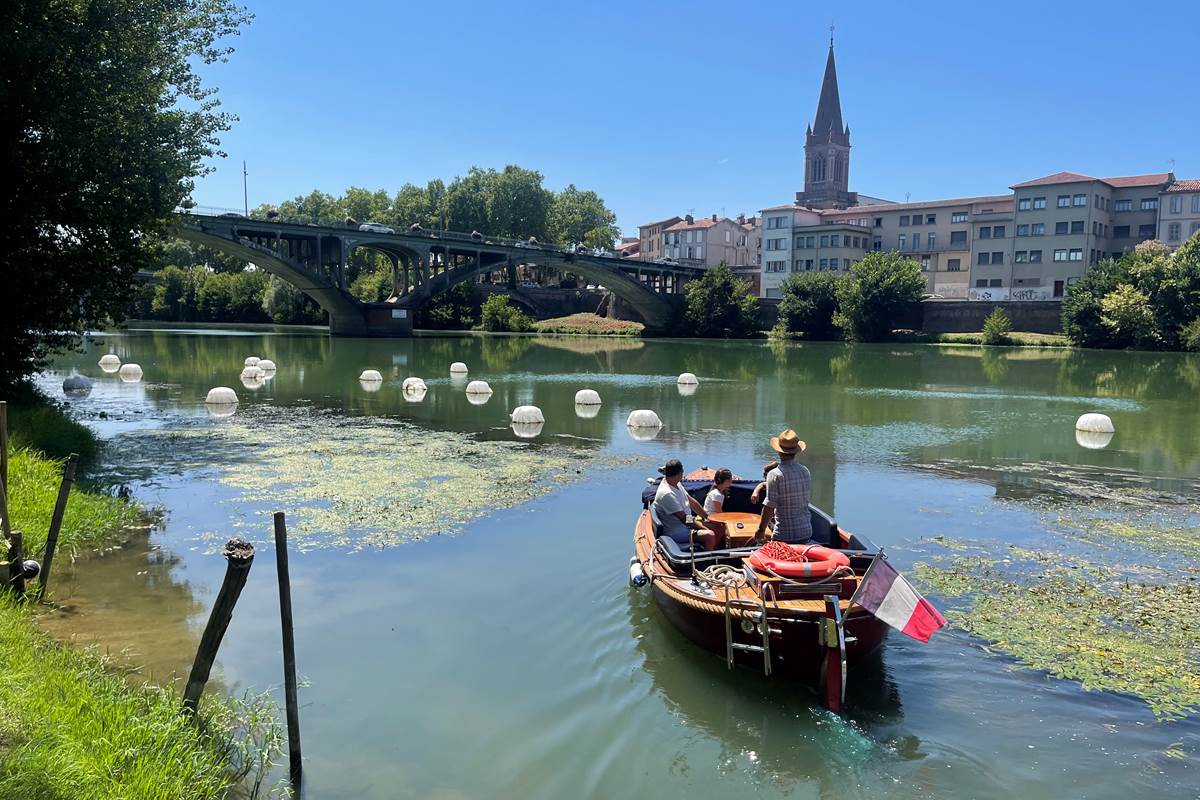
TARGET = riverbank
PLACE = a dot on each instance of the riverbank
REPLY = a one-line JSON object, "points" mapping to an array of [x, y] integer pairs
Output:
{"points": [[71, 725]]}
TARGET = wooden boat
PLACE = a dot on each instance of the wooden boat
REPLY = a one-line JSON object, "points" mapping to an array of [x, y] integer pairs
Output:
{"points": [[797, 628]]}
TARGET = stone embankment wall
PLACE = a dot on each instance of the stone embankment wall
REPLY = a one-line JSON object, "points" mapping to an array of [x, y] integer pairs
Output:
{"points": [[958, 316]]}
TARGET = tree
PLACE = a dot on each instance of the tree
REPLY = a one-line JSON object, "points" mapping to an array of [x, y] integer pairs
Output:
{"points": [[997, 327], [872, 298], [1129, 318], [517, 205], [453, 309], [285, 304], [720, 304], [498, 315], [807, 304], [581, 216], [105, 124]]}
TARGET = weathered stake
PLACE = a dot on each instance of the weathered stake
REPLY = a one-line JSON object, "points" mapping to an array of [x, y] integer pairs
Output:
{"points": [[60, 507], [289, 649], [16, 563], [4, 468], [239, 555]]}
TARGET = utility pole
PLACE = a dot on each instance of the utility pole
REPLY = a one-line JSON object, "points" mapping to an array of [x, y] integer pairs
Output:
{"points": [[245, 193]]}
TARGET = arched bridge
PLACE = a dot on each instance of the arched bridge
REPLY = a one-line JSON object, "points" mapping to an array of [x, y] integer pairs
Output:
{"points": [[424, 263]]}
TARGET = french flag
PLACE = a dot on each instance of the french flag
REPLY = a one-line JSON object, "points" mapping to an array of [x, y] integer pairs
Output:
{"points": [[884, 592]]}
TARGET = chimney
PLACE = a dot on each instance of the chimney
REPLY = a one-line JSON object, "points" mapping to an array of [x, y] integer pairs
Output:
{"points": [[714, 217], [741, 219], [689, 219]]}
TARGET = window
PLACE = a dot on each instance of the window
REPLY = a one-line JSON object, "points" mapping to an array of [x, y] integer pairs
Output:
{"points": [[1077, 226], [1058, 288], [689, 253], [985, 232], [700, 237], [982, 260], [1024, 204], [856, 242], [1060, 255], [825, 240], [879, 222], [728, 237], [1196, 204], [877, 244], [775, 222], [1021, 257], [958, 216], [916, 241], [808, 264], [1060, 228], [1120, 232], [1022, 230], [997, 258], [1149, 203], [845, 263], [1064, 201], [1147, 231], [998, 232], [1035, 256], [924, 263], [995, 282], [777, 244], [776, 266], [904, 221], [824, 263], [932, 241], [903, 238], [980, 283], [1076, 254], [1176, 205], [799, 242], [1039, 203], [1123, 205], [835, 240], [958, 237], [931, 219], [1037, 229], [953, 265], [700, 252], [1080, 200], [1173, 231], [797, 265]]}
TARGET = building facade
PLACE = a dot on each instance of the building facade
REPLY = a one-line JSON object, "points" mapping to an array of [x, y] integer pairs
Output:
{"points": [[707, 242], [650, 236], [1179, 213]]}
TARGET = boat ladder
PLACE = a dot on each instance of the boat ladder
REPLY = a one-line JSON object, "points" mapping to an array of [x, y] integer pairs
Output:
{"points": [[753, 616]]}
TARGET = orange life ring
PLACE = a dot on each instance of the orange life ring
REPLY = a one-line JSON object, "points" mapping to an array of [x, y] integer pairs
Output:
{"points": [[808, 561]]}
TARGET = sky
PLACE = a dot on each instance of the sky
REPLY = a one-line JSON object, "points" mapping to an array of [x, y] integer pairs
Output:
{"points": [[674, 108]]}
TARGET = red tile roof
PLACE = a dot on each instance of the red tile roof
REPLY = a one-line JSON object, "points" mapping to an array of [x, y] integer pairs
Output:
{"points": [[1124, 181], [1184, 186], [853, 211], [684, 225], [1058, 177], [667, 221]]}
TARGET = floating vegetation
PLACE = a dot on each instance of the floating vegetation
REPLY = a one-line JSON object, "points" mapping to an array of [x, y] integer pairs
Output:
{"points": [[1132, 629]]}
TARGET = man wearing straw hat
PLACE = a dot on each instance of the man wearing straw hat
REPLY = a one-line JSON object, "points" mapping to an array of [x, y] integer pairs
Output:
{"points": [[789, 487]]}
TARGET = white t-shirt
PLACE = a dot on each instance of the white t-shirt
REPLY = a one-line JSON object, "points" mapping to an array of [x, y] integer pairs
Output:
{"points": [[668, 501], [713, 503]]}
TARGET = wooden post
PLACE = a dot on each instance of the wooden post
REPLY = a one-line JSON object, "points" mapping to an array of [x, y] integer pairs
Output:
{"points": [[7, 526], [834, 639], [60, 507], [16, 563], [239, 555], [4, 468], [289, 649]]}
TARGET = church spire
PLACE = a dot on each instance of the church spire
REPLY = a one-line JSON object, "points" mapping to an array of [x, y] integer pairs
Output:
{"points": [[829, 108]]}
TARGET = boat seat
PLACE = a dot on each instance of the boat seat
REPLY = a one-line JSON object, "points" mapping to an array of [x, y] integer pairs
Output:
{"points": [[824, 528], [679, 556]]}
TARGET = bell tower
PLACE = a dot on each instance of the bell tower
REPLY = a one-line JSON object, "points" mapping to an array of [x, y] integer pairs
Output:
{"points": [[827, 148]]}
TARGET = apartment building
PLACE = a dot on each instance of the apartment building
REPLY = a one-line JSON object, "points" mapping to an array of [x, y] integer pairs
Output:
{"points": [[1179, 212], [650, 235], [707, 242]]}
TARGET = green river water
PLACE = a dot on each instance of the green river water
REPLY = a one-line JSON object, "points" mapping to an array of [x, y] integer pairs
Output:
{"points": [[464, 625]]}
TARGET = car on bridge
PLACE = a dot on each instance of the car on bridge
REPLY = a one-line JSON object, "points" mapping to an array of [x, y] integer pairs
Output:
{"points": [[602, 253], [375, 227]]}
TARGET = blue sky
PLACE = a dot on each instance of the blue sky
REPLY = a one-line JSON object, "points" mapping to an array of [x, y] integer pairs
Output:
{"points": [[666, 108]]}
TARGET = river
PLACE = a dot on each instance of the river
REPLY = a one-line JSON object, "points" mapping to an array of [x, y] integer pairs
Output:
{"points": [[464, 626]]}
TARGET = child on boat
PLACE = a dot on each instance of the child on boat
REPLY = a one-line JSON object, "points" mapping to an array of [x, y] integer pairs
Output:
{"points": [[760, 491], [715, 500]]}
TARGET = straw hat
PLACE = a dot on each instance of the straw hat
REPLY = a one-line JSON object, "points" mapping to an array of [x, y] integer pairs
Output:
{"points": [[787, 443]]}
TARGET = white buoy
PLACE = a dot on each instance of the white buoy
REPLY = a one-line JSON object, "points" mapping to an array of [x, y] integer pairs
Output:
{"points": [[643, 434], [1093, 440], [587, 397], [643, 418], [371, 376], [76, 385], [221, 396], [587, 411], [478, 387], [252, 373], [687, 377], [110, 362], [1094, 423], [370, 386], [527, 430], [478, 399], [527, 415], [413, 385], [416, 392], [266, 365], [251, 361], [687, 389], [252, 382], [131, 373], [459, 367]]}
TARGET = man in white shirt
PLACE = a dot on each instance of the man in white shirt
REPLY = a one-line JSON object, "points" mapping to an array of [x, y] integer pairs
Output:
{"points": [[671, 505]]}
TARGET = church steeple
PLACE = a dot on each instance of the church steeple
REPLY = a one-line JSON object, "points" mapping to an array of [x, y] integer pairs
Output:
{"points": [[827, 148]]}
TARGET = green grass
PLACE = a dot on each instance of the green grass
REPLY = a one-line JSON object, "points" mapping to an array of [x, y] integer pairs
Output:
{"points": [[70, 727], [35, 421], [91, 520], [589, 324], [1016, 338]]}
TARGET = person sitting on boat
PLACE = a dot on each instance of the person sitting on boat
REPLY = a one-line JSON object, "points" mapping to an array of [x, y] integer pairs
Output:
{"points": [[714, 501], [760, 491], [671, 505], [789, 487]]}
